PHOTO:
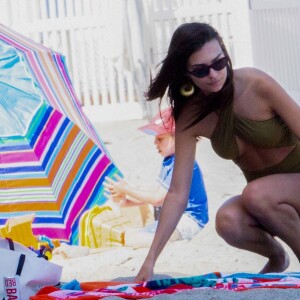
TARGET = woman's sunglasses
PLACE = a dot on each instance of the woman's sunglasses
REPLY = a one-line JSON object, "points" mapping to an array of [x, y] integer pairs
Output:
{"points": [[204, 70]]}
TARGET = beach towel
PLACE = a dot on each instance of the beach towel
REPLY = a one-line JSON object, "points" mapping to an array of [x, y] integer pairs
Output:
{"points": [[126, 290]]}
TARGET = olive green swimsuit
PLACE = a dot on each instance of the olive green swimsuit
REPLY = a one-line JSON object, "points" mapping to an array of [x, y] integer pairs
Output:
{"points": [[272, 133]]}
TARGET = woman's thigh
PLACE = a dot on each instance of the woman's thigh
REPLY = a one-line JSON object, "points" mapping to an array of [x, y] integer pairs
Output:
{"points": [[273, 189], [258, 197]]}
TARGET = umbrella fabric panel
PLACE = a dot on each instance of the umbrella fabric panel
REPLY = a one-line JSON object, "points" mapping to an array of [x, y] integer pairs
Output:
{"points": [[58, 179], [52, 162], [19, 98], [49, 73]]}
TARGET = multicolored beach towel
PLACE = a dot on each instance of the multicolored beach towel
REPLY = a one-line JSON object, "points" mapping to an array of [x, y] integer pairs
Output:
{"points": [[126, 290]]}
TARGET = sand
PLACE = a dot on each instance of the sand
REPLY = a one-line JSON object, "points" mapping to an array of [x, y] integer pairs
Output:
{"points": [[135, 155]]}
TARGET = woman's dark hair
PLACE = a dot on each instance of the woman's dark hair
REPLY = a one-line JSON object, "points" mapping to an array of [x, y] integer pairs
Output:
{"points": [[187, 39]]}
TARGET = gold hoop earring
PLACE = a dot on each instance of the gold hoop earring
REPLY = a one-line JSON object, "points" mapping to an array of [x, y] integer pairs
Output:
{"points": [[187, 90]]}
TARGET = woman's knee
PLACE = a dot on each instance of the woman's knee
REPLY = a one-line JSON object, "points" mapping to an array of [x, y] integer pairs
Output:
{"points": [[227, 224], [255, 198]]}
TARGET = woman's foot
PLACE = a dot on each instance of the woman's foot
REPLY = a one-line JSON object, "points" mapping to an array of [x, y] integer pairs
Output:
{"points": [[277, 264]]}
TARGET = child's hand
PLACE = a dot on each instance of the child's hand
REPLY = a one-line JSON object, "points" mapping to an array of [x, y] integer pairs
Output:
{"points": [[117, 186], [118, 191], [112, 191], [119, 199]]}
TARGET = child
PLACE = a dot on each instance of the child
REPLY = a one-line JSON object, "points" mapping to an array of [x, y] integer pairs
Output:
{"points": [[162, 126]]}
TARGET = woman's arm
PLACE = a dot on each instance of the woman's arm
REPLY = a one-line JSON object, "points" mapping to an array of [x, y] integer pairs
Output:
{"points": [[176, 200]]}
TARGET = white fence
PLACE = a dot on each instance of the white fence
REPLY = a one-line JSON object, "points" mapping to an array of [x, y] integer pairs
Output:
{"points": [[94, 37], [276, 41], [111, 45], [229, 17]]}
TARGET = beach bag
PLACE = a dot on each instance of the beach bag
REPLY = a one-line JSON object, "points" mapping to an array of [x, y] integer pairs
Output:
{"points": [[32, 270]]}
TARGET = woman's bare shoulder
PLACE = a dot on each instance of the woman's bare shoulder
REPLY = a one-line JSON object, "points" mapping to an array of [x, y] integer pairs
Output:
{"points": [[250, 73], [258, 80], [263, 90], [202, 128]]}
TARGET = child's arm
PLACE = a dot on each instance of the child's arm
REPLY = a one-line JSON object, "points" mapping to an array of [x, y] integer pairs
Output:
{"points": [[131, 194]]}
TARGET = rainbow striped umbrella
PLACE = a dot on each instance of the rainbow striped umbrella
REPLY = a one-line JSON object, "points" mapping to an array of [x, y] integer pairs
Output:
{"points": [[52, 162]]}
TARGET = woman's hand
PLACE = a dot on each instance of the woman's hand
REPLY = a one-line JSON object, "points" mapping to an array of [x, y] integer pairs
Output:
{"points": [[146, 272]]}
